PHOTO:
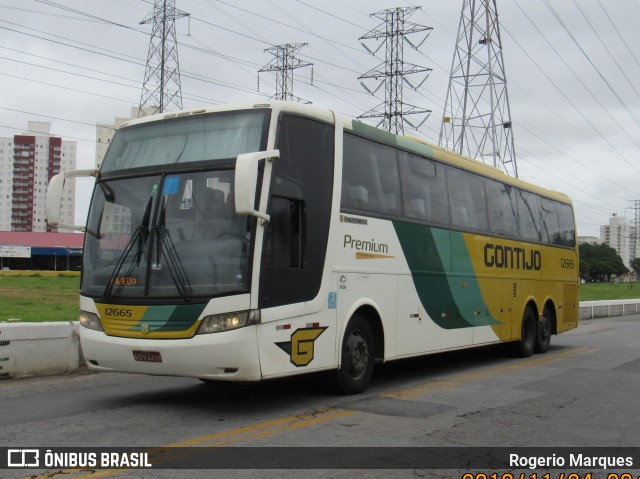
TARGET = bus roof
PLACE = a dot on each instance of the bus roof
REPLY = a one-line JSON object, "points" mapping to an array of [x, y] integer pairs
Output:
{"points": [[414, 145]]}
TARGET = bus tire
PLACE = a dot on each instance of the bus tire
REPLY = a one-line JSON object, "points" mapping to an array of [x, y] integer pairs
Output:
{"points": [[525, 346], [358, 356], [543, 335]]}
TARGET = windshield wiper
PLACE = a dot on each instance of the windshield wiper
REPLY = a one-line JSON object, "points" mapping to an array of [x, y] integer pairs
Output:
{"points": [[166, 247], [140, 236]]}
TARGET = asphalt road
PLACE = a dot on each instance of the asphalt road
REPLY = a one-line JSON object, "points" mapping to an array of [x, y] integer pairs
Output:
{"points": [[583, 393]]}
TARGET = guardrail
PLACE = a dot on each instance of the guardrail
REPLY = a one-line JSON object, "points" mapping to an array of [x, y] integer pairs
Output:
{"points": [[608, 309], [39, 349]]}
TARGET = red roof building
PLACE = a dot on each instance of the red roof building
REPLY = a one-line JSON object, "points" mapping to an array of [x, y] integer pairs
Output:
{"points": [[40, 251]]}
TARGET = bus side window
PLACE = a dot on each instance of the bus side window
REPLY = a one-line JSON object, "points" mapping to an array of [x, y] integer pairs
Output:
{"points": [[370, 177], [424, 188], [468, 202], [529, 216], [549, 225], [567, 236], [503, 215]]}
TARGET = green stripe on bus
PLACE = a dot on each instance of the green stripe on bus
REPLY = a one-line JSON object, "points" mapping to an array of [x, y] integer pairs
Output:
{"points": [[374, 133], [446, 303], [170, 318]]}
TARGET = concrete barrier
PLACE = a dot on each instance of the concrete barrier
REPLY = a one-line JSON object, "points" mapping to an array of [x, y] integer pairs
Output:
{"points": [[39, 349], [608, 309]]}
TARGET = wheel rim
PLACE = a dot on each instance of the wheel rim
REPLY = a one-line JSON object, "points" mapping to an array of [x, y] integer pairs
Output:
{"points": [[357, 355]]}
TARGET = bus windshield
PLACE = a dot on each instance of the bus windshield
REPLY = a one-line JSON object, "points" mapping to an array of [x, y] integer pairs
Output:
{"points": [[169, 236], [162, 221], [185, 140]]}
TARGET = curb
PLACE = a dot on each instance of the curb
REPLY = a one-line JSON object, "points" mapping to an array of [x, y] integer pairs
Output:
{"points": [[41, 349]]}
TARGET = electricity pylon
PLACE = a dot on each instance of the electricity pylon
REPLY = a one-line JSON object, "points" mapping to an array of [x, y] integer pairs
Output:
{"points": [[284, 62], [161, 86], [477, 118], [393, 72]]}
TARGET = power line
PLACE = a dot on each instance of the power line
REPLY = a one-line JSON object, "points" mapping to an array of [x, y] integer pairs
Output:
{"points": [[101, 51], [85, 14], [235, 60], [286, 25], [65, 87], [619, 34], [584, 53], [78, 75], [626, 77], [575, 107], [139, 62], [40, 12], [32, 131], [329, 13], [47, 116]]}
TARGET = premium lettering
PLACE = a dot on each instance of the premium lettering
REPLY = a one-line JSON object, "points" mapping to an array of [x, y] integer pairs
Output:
{"points": [[362, 245]]}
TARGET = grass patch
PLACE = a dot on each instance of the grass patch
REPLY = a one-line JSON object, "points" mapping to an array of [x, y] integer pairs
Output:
{"points": [[608, 291], [37, 297]]}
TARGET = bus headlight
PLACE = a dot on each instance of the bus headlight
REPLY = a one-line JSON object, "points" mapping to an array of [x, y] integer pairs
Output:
{"points": [[217, 323], [90, 321]]}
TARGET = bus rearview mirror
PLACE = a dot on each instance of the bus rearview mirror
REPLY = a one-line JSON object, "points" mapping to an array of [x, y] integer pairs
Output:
{"points": [[246, 179], [54, 197]]}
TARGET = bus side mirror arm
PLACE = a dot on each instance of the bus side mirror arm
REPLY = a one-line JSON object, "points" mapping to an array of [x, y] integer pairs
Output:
{"points": [[54, 197], [246, 179]]}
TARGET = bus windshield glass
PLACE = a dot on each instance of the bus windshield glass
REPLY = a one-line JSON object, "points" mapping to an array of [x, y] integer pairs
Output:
{"points": [[185, 140], [169, 236], [162, 221]]}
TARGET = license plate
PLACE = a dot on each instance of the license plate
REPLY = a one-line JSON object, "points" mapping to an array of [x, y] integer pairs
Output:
{"points": [[147, 356]]}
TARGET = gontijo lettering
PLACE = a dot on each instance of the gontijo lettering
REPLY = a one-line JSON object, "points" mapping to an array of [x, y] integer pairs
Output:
{"points": [[362, 245], [497, 256]]}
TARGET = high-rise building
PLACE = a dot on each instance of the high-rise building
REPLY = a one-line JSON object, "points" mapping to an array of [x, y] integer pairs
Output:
{"points": [[27, 162], [621, 236]]}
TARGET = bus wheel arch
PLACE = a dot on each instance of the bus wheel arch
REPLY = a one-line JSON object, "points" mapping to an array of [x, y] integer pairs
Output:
{"points": [[361, 344]]}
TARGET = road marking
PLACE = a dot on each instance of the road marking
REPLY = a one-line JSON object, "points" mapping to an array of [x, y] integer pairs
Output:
{"points": [[220, 439], [275, 426]]}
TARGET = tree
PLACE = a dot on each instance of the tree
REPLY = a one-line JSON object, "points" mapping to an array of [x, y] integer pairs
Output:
{"points": [[635, 264], [599, 261]]}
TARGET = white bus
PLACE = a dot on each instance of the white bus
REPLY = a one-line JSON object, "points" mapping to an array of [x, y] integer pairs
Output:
{"points": [[242, 243]]}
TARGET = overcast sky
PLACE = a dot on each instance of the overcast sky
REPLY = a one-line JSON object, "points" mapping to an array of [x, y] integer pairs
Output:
{"points": [[572, 67]]}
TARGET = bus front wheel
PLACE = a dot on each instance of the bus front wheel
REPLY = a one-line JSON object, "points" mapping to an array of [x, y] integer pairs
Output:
{"points": [[527, 343], [358, 353]]}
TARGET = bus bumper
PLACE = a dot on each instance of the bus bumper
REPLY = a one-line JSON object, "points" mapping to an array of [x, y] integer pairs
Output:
{"points": [[229, 356]]}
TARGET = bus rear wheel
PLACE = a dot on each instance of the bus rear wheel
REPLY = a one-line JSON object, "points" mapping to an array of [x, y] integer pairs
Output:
{"points": [[543, 336], [358, 355], [527, 343]]}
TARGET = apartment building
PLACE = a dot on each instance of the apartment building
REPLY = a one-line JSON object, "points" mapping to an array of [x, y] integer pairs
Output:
{"points": [[623, 237], [27, 162]]}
